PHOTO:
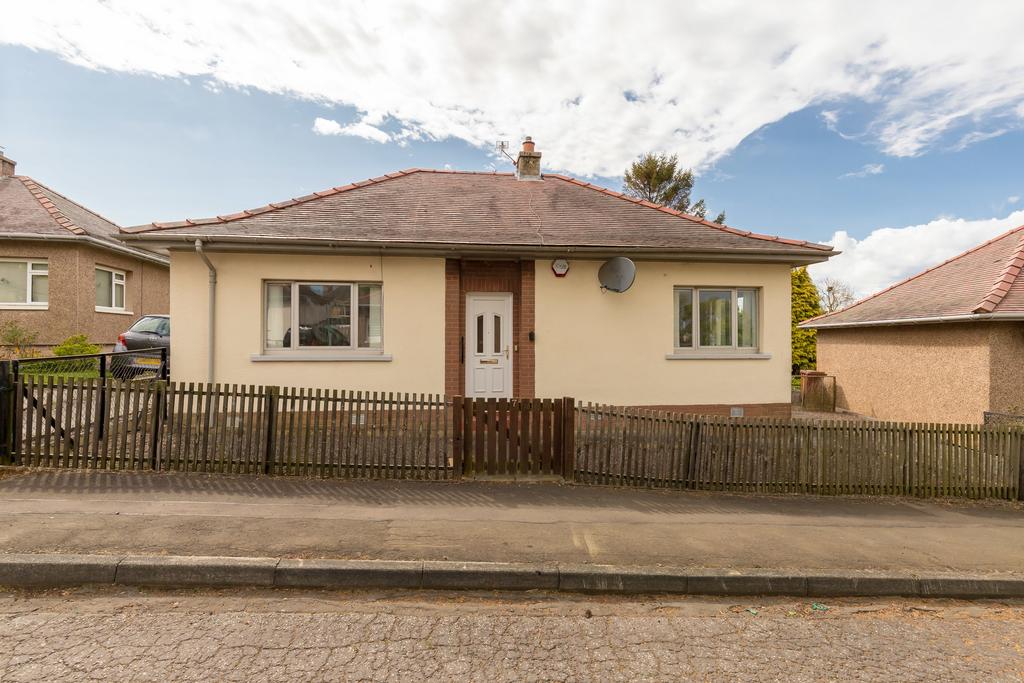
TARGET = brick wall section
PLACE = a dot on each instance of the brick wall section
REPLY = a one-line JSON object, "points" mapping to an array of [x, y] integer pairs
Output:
{"points": [[453, 370], [516, 277]]}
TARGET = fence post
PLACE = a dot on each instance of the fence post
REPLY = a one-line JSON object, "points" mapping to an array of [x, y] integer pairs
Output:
{"points": [[694, 465], [568, 438], [165, 370], [8, 420], [458, 436], [1020, 464], [159, 397], [101, 408], [270, 396]]}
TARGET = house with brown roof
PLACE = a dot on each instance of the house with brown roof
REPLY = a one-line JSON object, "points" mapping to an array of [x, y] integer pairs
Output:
{"points": [[945, 345], [64, 272], [485, 284]]}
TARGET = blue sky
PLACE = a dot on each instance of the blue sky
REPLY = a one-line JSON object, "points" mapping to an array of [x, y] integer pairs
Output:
{"points": [[871, 150]]}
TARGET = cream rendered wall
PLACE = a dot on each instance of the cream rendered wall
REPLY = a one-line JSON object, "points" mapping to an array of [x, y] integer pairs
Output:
{"points": [[413, 320], [607, 347]]}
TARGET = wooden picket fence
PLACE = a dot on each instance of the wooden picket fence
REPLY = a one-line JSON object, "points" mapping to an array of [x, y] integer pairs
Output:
{"points": [[638, 447], [154, 425], [99, 424]]}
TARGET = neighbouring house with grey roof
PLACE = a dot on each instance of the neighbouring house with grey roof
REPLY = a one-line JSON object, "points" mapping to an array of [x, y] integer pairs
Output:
{"points": [[485, 285], [945, 345], [64, 272]]}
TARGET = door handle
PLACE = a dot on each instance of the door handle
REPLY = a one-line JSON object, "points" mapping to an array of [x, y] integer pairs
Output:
{"points": [[506, 351]]}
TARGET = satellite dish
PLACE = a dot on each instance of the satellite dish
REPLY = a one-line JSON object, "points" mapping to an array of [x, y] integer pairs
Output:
{"points": [[617, 274]]}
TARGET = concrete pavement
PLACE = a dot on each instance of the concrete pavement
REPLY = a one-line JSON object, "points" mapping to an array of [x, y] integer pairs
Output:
{"points": [[216, 515]]}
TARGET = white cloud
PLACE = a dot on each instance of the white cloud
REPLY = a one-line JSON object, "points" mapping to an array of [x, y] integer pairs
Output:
{"points": [[976, 136], [865, 171], [1012, 199], [595, 87], [359, 129], [889, 255]]}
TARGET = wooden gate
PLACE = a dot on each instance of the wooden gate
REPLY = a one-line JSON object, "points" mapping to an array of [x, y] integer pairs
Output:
{"points": [[513, 437]]}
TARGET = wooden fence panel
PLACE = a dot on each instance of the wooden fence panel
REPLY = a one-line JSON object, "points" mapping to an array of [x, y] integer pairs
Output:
{"points": [[638, 447]]}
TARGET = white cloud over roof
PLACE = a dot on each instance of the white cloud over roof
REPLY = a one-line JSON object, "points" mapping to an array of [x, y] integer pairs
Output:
{"points": [[888, 255], [595, 84]]}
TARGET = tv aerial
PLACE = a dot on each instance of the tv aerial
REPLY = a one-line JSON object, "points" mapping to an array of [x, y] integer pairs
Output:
{"points": [[501, 146]]}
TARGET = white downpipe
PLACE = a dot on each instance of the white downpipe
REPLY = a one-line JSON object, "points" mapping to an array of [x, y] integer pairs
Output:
{"points": [[212, 316]]}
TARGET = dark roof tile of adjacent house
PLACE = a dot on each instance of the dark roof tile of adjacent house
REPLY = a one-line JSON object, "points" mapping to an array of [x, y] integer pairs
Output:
{"points": [[30, 209], [982, 282], [430, 207]]}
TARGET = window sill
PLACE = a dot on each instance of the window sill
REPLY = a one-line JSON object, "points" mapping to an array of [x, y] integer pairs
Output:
{"points": [[704, 355], [321, 357], [24, 307], [115, 311]]}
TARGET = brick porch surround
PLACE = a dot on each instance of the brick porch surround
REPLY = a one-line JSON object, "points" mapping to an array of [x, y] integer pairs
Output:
{"points": [[463, 276]]}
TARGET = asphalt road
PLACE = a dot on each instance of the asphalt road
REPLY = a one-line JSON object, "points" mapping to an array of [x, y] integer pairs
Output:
{"points": [[114, 635]]}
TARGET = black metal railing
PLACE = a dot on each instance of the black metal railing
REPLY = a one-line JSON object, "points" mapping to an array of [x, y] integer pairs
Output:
{"points": [[139, 365], [124, 365]]}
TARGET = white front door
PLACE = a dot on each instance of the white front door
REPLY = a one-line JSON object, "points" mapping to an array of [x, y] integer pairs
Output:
{"points": [[489, 345]]}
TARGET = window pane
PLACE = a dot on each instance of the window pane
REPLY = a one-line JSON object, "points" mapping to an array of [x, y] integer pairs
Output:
{"points": [[497, 334], [40, 289], [103, 290], [480, 333], [370, 319], [684, 337], [279, 316], [325, 315], [746, 317], [118, 295], [13, 283], [715, 317]]}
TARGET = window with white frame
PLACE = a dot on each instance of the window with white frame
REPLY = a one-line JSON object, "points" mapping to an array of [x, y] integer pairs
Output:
{"points": [[109, 289], [322, 315], [716, 318], [24, 283]]}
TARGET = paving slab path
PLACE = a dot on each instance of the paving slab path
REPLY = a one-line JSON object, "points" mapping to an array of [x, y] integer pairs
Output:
{"points": [[193, 514]]}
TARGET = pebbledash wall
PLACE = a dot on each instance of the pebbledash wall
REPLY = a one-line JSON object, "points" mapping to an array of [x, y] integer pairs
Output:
{"points": [[948, 372], [591, 345], [72, 298]]}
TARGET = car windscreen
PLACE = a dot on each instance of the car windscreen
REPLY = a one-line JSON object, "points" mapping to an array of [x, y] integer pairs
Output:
{"points": [[152, 325]]}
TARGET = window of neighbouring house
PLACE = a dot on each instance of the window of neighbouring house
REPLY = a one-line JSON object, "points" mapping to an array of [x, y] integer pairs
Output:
{"points": [[322, 315], [24, 283], [110, 286], [716, 318]]}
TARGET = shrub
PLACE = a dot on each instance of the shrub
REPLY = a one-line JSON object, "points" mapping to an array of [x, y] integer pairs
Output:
{"points": [[17, 341], [76, 345]]}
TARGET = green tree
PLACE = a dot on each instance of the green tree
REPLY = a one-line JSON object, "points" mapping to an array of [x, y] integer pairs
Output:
{"points": [[658, 178], [806, 304]]}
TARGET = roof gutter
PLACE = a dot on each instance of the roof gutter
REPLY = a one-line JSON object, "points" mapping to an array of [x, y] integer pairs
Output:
{"points": [[89, 239], [281, 244], [211, 333], [969, 317]]}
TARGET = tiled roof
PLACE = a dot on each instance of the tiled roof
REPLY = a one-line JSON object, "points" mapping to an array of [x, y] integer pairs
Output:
{"points": [[983, 281], [27, 207], [425, 207]]}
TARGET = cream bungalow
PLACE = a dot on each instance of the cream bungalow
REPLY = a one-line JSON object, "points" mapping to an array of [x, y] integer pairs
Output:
{"points": [[484, 284]]}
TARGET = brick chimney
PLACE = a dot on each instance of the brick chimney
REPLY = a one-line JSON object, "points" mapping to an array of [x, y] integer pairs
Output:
{"points": [[528, 162], [7, 166]]}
